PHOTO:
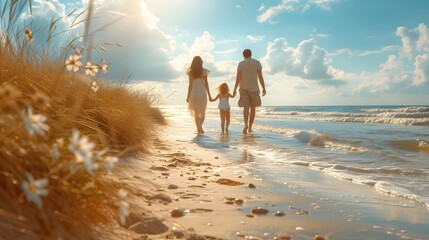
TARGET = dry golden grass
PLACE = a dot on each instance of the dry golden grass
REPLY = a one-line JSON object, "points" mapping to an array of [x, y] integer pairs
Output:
{"points": [[118, 120]]}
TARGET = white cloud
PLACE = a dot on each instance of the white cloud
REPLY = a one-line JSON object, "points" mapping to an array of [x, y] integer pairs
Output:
{"points": [[362, 53], [204, 46], [262, 7], [39, 22], [254, 38], [421, 73], [286, 5], [423, 42], [414, 40], [293, 5], [324, 4], [307, 61], [146, 52], [391, 76]]}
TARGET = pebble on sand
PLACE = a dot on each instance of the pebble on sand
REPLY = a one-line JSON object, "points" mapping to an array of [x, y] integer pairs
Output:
{"points": [[299, 228], [172, 186], [302, 212], [251, 185], [239, 234], [229, 182], [176, 213], [282, 237], [259, 211], [317, 237], [279, 214]]}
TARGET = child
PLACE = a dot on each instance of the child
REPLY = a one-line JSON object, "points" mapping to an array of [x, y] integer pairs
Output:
{"points": [[224, 108]]}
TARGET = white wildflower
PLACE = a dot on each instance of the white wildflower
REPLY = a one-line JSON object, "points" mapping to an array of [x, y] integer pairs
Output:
{"points": [[109, 162], [83, 148], [28, 35], [73, 63], [55, 151], [123, 206], [104, 67], [33, 189], [34, 122], [94, 86], [91, 69]]}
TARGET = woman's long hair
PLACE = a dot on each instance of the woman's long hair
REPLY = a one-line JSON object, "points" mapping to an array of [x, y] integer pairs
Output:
{"points": [[196, 68]]}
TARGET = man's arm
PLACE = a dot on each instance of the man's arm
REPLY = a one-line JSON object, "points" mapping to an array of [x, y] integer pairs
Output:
{"points": [[189, 89], [262, 82], [237, 82]]}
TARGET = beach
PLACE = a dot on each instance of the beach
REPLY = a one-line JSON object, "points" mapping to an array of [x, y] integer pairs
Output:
{"points": [[216, 186]]}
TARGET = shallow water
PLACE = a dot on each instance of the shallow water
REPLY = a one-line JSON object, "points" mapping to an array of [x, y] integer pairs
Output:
{"points": [[386, 148]]}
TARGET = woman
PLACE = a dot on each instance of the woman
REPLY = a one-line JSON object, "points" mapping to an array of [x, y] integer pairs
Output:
{"points": [[197, 92]]}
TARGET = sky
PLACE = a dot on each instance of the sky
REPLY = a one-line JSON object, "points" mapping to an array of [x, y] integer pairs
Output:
{"points": [[313, 52]]}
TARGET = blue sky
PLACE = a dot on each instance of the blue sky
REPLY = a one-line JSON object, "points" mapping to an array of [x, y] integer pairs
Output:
{"points": [[313, 52]]}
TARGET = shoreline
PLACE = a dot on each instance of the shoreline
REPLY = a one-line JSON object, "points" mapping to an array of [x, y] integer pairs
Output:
{"points": [[184, 174]]}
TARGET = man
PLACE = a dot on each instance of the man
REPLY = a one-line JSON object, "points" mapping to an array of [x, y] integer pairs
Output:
{"points": [[248, 72]]}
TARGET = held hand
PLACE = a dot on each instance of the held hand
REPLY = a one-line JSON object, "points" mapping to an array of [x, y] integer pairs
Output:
{"points": [[234, 93], [264, 92]]}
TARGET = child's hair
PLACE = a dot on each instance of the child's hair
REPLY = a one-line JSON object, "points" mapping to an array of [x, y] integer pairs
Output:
{"points": [[223, 88]]}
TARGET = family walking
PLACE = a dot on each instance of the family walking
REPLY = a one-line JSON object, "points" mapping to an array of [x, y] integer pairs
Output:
{"points": [[249, 71]]}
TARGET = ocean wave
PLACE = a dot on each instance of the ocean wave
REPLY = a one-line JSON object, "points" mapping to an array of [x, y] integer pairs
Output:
{"points": [[403, 109], [412, 145], [384, 119], [398, 116], [381, 186], [313, 138]]}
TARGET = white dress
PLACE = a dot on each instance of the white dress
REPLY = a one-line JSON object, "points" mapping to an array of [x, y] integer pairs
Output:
{"points": [[197, 104], [223, 103]]}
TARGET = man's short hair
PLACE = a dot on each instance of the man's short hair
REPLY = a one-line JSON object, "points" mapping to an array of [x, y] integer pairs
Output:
{"points": [[247, 53]]}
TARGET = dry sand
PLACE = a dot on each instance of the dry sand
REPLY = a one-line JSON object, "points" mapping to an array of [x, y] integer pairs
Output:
{"points": [[187, 191]]}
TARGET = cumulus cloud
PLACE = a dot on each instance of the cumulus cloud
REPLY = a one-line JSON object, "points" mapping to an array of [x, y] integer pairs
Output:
{"points": [[146, 52], [203, 46], [293, 5], [391, 76], [421, 72], [39, 22], [307, 60], [414, 40]]}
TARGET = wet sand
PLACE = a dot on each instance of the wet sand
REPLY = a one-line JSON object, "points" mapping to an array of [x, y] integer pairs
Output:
{"points": [[187, 190]]}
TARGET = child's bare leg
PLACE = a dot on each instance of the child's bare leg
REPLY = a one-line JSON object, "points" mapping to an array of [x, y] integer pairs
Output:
{"points": [[222, 120], [228, 117]]}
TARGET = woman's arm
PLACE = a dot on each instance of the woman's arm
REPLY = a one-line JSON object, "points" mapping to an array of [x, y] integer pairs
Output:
{"points": [[189, 89], [206, 85]]}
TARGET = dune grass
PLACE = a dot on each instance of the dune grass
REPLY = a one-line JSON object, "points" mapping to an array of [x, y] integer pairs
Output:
{"points": [[60, 133]]}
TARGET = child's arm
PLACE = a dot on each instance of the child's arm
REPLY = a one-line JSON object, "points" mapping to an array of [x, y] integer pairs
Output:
{"points": [[231, 96], [214, 99]]}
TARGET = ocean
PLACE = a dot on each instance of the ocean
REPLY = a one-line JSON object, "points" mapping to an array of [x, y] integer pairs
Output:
{"points": [[383, 147]]}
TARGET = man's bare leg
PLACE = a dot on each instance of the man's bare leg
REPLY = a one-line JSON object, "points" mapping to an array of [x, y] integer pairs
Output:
{"points": [[246, 119], [252, 117]]}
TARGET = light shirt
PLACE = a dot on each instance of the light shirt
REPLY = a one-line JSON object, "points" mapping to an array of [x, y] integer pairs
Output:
{"points": [[249, 74]]}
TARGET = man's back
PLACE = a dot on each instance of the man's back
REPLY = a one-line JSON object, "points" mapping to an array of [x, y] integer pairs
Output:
{"points": [[249, 74]]}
